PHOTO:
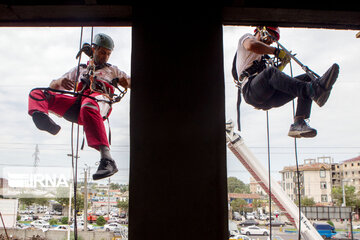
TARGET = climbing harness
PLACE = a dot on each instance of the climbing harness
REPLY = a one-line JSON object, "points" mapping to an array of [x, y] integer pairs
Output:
{"points": [[85, 85]]}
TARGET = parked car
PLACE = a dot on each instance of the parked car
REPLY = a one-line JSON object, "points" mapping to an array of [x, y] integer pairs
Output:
{"points": [[237, 216], [275, 223], [25, 218], [124, 221], [325, 230], [263, 217], [250, 216], [248, 223], [111, 226], [254, 230], [356, 227], [21, 226], [61, 228], [46, 217], [239, 237], [233, 229], [341, 236], [113, 220], [80, 226], [40, 224]]}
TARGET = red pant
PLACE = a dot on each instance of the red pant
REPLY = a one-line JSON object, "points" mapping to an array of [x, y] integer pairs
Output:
{"points": [[89, 115]]}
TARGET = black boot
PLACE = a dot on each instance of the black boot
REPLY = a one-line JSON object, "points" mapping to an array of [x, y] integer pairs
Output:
{"points": [[322, 87], [45, 123], [106, 169], [301, 129]]}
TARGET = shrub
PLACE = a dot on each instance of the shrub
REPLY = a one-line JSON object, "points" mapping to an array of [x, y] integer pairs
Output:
{"points": [[53, 221], [100, 221], [331, 223], [64, 220]]}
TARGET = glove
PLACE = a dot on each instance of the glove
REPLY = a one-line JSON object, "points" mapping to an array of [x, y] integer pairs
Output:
{"points": [[283, 57]]}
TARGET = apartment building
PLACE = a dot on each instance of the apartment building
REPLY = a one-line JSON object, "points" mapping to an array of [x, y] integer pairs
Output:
{"points": [[315, 180], [255, 187], [349, 172]]}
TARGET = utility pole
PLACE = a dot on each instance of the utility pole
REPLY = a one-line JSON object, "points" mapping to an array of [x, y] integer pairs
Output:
{"points": [[109, 200], [69, 219], [85, 198]]}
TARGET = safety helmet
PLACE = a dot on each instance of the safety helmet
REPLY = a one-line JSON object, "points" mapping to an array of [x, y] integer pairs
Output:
{"points": [[103, 40], [273, 30]]}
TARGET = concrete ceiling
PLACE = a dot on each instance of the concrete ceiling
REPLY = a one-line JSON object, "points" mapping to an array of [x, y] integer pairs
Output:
{"points": [[314, 14]]}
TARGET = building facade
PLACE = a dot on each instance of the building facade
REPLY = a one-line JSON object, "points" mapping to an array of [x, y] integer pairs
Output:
{"points": [[315, 179]]}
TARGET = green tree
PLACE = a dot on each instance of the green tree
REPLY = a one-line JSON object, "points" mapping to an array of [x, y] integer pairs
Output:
{"points": [[64, 201], [238, 205], [307, 202], [351, 198], [64, 220], [124, 205], [114, 186], [53, 221], [26, 199], [237, 186], [100, 221]]}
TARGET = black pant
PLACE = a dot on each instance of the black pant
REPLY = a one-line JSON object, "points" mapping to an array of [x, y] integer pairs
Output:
{"points": [[273, 88]]}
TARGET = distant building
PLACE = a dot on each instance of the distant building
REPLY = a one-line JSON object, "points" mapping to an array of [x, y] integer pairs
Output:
{"points": [[4, 183], [249, 198], [255, 187], [349, 172], [315, 180]]}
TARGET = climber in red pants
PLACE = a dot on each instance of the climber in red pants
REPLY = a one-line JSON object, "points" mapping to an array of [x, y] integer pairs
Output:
{"points": [[87, 111]]}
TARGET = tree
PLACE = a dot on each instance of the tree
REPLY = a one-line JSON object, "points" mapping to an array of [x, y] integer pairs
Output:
{"points": [[124, 205], [237, 186], [100, 221], [238, 205], [306, 202], [351, 198]]}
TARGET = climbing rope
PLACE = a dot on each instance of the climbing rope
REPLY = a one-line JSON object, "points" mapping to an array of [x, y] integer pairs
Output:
{"points": [[297, 163], [74, 159], [269, 169]]}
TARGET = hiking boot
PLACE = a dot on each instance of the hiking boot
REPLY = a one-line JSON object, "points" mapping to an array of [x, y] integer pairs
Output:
{"points": [[322, 87], [44, 122], [106, 169], [301, 129]]}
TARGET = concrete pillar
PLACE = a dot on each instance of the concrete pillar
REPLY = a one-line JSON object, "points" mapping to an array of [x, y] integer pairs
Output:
{"points": [[178, 181]]}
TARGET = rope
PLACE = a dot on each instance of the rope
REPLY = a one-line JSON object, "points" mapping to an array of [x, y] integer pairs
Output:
{"points": [[75, 163], [269, 170], [297, 162]]}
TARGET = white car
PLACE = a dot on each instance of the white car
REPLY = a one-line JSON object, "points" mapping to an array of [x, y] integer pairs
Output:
{"points": [[239, 237], [111, 226], [254, 230], [25, 218], [21, 226], [46, 217], [250, 216], [80, 226], [114, 220], [356, 227], [61, 228], [40, 224]]}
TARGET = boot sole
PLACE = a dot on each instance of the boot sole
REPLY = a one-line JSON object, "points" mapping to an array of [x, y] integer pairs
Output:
{"points": [[298, 134], [98, 177], [43, 122], [328, 85]]}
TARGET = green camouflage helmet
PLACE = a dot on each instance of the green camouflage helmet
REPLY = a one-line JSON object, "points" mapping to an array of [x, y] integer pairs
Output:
{"points": [[103, 40]]}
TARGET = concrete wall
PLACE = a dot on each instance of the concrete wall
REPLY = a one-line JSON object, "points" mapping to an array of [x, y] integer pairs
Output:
{"points": [[57, 235]]}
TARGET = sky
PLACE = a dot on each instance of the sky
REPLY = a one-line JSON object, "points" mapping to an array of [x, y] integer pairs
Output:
{"points": [[32, 57]]}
